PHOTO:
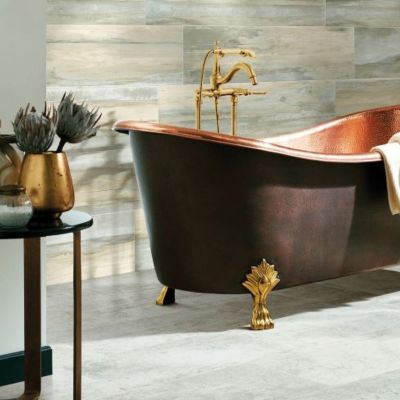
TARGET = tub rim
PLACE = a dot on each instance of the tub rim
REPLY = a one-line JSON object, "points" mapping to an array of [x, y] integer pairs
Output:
{"points": [[131, 126]]}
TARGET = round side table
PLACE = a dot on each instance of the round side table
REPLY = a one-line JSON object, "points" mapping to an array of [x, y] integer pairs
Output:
{"points": [[70, 222]]}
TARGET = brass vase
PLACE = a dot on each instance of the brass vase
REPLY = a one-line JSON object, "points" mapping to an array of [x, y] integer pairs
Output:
{"points": [[48, 182]]}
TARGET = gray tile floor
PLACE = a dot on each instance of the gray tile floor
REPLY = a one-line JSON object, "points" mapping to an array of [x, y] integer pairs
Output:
{"points": [[332, 340]]}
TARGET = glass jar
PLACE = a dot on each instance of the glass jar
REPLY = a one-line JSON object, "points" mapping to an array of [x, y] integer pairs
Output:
{"points": [[15, 207]]}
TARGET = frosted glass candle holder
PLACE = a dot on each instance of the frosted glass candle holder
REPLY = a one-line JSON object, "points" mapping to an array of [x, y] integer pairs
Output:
{"points": [[15, 207]]}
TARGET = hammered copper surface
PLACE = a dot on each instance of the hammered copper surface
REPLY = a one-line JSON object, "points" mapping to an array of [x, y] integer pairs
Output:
{"points": [[315, 205], [353, 134], [48, 182]]}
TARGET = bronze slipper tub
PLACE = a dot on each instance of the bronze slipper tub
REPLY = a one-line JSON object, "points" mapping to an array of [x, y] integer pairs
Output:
{"points": [[313, 203]]}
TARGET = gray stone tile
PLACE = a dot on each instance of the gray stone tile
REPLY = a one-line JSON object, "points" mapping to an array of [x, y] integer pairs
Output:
{"points": [[382, 387], [200, 348], [287, 106], [342, 362], [377, 282], [371, 13], [326, 291], [362, 94], [377, 54], [232, 383], [283, 53], [95, 12], [233, 12], [113, 55]]}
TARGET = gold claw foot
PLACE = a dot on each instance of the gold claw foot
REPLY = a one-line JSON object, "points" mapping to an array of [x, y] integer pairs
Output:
{"points": [[167, 296], [260, 282]]}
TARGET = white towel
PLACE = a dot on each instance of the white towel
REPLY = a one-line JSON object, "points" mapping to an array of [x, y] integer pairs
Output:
{"points": [[391, 156]]}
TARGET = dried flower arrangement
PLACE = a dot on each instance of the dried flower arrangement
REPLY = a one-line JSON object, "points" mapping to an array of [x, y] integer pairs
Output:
{"points": [[76, 122], [34, 132], [71, 122], [46, 174]]}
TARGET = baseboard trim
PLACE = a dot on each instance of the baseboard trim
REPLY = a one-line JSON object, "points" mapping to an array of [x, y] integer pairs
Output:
{"points": [[12, 366]]}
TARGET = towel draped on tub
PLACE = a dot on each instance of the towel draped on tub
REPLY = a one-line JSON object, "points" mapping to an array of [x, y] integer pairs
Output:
{"points": [[390, 153]]}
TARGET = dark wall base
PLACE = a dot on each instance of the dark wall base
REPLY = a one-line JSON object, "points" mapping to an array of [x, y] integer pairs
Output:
{"points": [[12, 366]]}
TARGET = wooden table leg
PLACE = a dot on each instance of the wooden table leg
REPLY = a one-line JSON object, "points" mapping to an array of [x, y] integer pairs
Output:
{"points": [[77, 317], [33, 363]]}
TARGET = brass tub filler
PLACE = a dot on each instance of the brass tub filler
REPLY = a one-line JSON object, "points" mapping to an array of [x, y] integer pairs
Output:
{"points": [[216, 90]]}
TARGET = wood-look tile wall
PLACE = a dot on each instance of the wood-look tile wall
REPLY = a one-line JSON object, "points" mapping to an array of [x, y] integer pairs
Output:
{"points": [[139, 59]]}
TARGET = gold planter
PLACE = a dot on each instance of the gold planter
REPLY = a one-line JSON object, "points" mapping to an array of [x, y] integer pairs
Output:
{"points": [[48, 182]]}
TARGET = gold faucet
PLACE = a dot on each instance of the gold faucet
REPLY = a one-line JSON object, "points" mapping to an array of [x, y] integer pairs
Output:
{"points": [[216, 91]]}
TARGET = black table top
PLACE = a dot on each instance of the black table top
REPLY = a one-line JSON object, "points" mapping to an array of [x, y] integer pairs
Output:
{"points": [[71, 221]]}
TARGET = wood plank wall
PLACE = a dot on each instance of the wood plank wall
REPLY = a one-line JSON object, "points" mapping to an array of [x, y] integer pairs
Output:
{"points": [[140, 59]]}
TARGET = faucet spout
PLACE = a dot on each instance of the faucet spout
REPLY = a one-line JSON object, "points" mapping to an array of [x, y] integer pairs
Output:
{"points": [[240, 66]]}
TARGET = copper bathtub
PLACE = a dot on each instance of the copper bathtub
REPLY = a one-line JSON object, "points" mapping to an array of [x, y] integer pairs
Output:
{"points": [[313, 203]]}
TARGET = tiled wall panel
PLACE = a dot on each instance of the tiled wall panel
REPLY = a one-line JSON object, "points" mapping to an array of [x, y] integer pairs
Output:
{"points": [[361, 94], [372, 13], [140, 59], [68, 12], [235, 12], [283, 53], [113, 55], [377, 52]]}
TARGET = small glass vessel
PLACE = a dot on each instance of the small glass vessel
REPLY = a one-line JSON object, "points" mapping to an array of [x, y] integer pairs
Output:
{"points": [[15, 207]]}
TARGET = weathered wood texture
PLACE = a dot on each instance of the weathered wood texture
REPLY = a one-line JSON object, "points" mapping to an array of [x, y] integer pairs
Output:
{"points": [[140, 59]]}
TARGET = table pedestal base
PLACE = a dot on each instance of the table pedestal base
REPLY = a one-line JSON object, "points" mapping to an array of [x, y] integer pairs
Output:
{"points": [[32, 294]]}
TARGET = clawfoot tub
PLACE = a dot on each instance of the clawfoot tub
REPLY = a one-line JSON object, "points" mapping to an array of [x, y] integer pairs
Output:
{"points": [[312, 203]]}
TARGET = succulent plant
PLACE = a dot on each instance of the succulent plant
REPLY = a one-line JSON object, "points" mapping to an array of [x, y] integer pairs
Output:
{"points": [[34, 131], [76, 122]]}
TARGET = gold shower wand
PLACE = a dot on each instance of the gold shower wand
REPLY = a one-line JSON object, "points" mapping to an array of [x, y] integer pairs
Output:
{"points": [[217, 80]]}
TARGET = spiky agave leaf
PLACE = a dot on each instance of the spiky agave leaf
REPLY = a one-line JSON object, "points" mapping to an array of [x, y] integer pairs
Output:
{"points": [[34, 131], [76, 122]]}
